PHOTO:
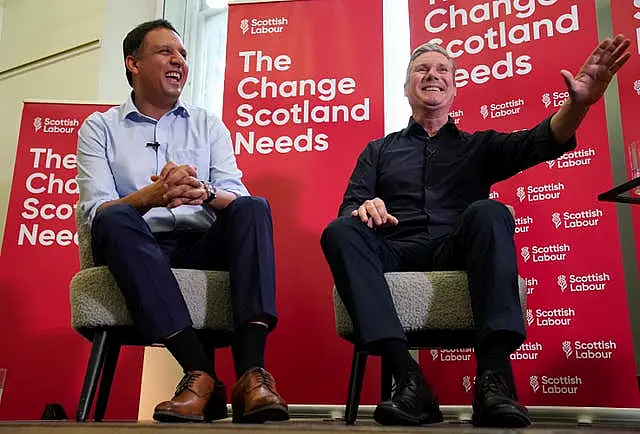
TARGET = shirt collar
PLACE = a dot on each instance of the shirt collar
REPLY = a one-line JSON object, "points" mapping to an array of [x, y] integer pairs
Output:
{"points": [[415, 128], [128, 110]]}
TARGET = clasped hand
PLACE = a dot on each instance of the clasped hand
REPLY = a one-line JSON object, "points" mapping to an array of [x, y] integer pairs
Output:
{"points": [[374, 213], [177, 185]]}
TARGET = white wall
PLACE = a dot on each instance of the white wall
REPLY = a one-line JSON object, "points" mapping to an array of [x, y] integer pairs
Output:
{"points": [[32, 29]]}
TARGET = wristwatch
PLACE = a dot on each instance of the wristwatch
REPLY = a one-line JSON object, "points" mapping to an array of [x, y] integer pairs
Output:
{"points": [[211, 191]]}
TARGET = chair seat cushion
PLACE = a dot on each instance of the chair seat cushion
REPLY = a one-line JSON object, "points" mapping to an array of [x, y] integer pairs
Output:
{"points": [[96, 300], [434, 300]]}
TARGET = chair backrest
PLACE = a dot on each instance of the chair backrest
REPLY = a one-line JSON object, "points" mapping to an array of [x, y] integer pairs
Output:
{"points": [[84, 241]]}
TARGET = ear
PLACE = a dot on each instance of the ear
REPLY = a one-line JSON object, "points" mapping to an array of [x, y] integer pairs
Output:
{"points": [[131, 64], [405, 89]]}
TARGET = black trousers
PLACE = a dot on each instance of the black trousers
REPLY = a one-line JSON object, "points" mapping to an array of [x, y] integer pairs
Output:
{"points": [[239, 241], [482, 245]]}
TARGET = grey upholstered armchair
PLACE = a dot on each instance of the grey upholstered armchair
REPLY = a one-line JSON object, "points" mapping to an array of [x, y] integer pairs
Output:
{"points": [[99, 313], [434, 309]]}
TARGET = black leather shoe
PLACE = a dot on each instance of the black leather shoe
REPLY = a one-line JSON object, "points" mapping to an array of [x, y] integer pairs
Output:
{"points": [[412, 403], [495, 404]]}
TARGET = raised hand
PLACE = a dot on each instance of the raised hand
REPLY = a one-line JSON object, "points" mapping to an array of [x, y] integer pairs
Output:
{"points": [[596, 73]]}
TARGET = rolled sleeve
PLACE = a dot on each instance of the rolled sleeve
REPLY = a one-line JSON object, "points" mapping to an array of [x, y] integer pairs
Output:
{"points": [[95, 179], [223, 169]]}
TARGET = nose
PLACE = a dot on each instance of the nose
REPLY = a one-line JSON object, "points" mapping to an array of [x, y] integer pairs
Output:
{"points": [[431, 74], [177, 59]]}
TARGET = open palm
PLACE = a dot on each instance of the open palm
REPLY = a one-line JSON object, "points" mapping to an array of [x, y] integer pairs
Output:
{"points": [[597, 71]]}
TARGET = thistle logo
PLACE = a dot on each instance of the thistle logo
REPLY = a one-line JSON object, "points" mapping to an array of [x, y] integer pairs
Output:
{"points": [[567, 348], [564, 385], [434, 354], [547, 253], [244, 26], [534, 383], [636, 86], [466, 383], [562, 282], [55, 126], [546, 99], [588, 218], [540, 192], [551, 163], [503, 109], [530, 317], [558, 317], [262, 26], [484, 111]]}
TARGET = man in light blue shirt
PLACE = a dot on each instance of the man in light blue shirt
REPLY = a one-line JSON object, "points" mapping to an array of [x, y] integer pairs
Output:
{"points": [[160, 188]]}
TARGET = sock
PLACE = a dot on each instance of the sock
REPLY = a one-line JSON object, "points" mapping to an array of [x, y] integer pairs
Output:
{"points": [[248, 347], [396, 354], [188, 351], [493, 355]]}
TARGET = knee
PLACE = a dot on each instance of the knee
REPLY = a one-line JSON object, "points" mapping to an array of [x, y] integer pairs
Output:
{"points": [[114, 216], [339, 230], [487, 212], [252, 205]]}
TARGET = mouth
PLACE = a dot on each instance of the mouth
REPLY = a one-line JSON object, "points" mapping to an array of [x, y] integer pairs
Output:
{"points": [[431, 88], [174, 77]]}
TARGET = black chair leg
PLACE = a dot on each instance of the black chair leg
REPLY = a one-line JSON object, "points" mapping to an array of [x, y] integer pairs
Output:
{"points": [[358, 366], [386, 380], [94, 368], [106, 380]]}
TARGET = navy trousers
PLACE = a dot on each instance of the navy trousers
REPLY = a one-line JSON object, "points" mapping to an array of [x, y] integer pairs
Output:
{"points": [[482, 245], [240, 241]]}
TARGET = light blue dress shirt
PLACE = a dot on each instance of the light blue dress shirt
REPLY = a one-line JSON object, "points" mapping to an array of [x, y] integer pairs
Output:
{"points": [[114, 159]]}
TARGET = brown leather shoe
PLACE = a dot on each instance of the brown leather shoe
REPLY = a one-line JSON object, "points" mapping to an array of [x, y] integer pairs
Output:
{"points": [[198, 398], [254, 398]]}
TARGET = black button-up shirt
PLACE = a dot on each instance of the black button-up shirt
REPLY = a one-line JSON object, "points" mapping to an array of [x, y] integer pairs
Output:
{"points": [[427, 182]]}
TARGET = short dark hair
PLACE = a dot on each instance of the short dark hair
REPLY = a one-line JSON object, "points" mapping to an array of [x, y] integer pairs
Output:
{"points": [[133, 41]]}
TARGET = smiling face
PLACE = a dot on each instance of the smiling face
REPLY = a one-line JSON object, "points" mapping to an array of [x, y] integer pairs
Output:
{"points": [[430, 84], [159, 67]]}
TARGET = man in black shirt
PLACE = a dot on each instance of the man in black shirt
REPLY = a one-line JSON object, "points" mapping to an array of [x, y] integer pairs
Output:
{"points": [[417, 200]]}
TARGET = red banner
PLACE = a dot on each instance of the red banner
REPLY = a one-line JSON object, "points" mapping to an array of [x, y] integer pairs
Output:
{"points": [[303, 96], [509, 56], [45, 358]]}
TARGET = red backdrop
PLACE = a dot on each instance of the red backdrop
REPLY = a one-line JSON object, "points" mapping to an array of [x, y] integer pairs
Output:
{"points": [[320, 56], [579, 351], [45, 358]]}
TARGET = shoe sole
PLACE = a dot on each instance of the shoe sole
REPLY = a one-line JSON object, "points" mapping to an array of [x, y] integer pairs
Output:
{"points": [[172, 417], [162, 416], [502, 418], [268, 413], [385, 415]]}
